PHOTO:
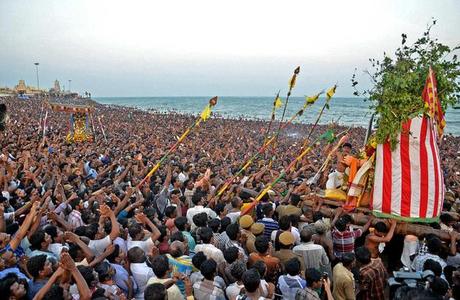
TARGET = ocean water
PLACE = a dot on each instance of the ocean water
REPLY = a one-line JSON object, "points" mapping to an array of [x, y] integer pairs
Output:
{"points": [[347, 111]]}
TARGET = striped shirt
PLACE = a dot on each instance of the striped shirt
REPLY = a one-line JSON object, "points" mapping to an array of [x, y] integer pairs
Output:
{"points": [[344, 242], [270, 226]]}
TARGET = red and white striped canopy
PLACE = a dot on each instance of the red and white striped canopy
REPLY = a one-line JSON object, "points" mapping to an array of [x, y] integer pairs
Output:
{"points": [[408, 182]]}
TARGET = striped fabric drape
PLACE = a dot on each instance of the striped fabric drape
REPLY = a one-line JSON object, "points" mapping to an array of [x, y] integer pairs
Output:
{"points": [[408, 181]]}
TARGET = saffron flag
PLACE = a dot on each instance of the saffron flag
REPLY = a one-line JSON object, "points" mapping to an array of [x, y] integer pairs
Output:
{"points": [[408, 181], [432, 103]]}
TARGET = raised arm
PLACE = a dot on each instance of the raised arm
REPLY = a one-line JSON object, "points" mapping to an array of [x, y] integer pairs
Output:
{"points": [[140, 217], [107, 212], [68, 264], [73, 238], [49, 283], [16, 240], [388, 236]]}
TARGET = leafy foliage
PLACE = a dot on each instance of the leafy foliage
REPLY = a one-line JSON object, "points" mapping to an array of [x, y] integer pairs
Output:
{"points": [[398, 82]]}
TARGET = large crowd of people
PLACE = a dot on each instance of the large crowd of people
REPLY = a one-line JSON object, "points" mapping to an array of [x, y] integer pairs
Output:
{"points": [[74, 224]]}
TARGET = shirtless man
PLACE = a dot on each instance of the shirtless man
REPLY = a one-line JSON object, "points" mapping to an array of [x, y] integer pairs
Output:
{"points": [[336, 178], [380, 235]]}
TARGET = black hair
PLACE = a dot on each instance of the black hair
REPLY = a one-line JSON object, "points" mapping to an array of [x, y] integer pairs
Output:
{"points": [[341, 225], [155, 291], [51, 230], [177, 236], [208, 269], [180, 223], [251, 280], [206, 235], [134, 229], [103, 271], [6, 283], [231, 254], [446, 218], [285, 222], [214, 224], [312, 275], [439, 286], [260, 267], [262, 243], [305, 235], [196, 198], [56, 292], [433, 266], [219, 208], [237, 270], [295, 199], [381, 227], [35, 264], [136, 255], [434, 245], [198, 259], [115, 253], [224, 223], [363, 255], [200, 220], [232, 231], [347, 259], [292, 266], [267, 208], [160, 265], [87, 273], [37, 239], [170, 211]]}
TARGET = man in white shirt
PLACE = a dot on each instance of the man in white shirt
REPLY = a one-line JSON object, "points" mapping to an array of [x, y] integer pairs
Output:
{"points": [[208, 248], [197, 200], [313, 255], [136, 233], [140, 270]]}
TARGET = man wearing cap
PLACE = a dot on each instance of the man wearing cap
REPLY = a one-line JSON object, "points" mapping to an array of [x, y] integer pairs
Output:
{"points": [[286, 242], [246, 222]]}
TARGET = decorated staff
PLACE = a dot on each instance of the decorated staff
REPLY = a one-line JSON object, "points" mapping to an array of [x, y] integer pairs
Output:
{"points": [[323, 167], [277, 103], [281, 176], [329, 95], [261, 150], [291, 86], [205, 114]]}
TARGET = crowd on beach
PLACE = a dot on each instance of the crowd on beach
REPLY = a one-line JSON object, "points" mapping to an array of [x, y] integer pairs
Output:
{"points": [[75, 225]]}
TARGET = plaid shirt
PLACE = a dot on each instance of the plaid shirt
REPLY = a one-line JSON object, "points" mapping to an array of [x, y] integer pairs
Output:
{"points": [[344, 242], [372, 280]]}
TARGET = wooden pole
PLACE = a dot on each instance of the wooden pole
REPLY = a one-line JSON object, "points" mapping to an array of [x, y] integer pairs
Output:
{"points": [[401, 228]]}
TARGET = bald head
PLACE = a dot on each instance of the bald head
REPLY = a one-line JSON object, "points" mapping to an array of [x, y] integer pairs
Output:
{"points": [[177, 249]]}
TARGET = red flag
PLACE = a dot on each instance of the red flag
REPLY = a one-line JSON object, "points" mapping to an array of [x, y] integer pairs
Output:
{"points": [[431, 99]]}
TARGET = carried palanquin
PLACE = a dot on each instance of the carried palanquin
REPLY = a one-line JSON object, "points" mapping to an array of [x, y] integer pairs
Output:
{"points": [[406, 182], [80, 117]]}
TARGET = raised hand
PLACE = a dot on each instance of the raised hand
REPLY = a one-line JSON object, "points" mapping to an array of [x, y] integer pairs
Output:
{"points": [[67, 262]]}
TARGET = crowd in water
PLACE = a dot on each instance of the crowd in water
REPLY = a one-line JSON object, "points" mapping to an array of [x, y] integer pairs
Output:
{"points": [[74, 224]]}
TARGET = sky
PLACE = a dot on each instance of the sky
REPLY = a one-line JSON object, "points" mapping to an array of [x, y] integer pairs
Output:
{"points": [[209, 47]]}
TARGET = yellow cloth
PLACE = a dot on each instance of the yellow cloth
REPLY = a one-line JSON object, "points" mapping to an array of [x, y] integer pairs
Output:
{"points": [[335, 194]]}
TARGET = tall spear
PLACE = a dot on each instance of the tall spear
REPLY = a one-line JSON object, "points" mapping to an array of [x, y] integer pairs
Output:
{"points": [[281, 176], [276, 104], [205, 114], [291, 86]]}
